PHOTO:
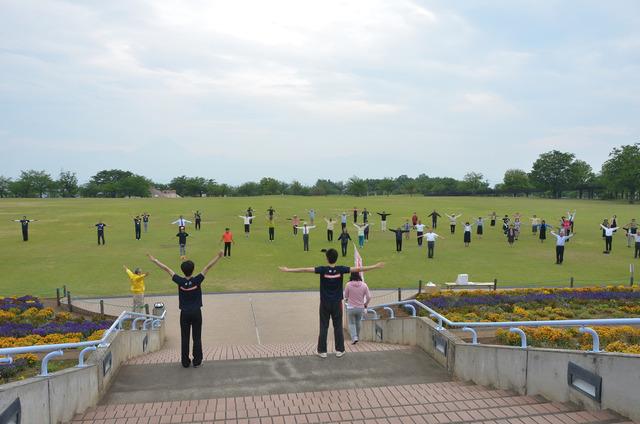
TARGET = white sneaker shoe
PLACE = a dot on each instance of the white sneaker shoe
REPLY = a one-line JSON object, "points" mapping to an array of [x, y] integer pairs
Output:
{"points": [[340, 354], [322, 355]]}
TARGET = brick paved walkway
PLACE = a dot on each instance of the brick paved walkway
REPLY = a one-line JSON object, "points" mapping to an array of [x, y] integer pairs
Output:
{"points": [[436, 403], [223, 353]]}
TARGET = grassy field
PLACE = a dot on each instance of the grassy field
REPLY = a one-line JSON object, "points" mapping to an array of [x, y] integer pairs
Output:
{"points": [[63, 250]]}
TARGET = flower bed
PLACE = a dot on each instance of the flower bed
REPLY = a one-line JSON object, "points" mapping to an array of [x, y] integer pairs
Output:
{"points": [[547, 304], [24, 321]]}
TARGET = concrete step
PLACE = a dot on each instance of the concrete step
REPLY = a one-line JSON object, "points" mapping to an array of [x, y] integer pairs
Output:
{"points": [[433, 403]]}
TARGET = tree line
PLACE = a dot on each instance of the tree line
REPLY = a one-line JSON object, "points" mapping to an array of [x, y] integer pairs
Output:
{"points": [[553, 174]]}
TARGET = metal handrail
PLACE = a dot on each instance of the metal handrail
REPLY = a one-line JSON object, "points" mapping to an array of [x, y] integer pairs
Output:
{"points": [[6, 354], [513, 325]]}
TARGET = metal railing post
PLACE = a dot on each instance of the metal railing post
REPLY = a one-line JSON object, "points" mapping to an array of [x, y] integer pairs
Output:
{"points": [[594, 336], [419, 286], [146, 308], [64, 289], [69, 301], [523, 336], [474, 334], [81, 363], [102, 307], [571, 282], [58, 296], [632, 268], [44, 368], [495, 284], [399, 294]]}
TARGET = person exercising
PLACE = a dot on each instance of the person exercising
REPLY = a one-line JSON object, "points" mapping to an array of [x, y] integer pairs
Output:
{"points": [[197, 217], [100, 227], [137, 222], [24, 222]]}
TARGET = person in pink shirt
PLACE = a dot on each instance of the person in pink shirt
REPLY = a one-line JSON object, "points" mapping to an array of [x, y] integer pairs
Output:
{"points": [[357, 296]]}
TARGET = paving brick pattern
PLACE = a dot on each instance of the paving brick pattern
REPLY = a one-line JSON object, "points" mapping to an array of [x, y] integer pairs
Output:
{"points": [[436, 403], [222, 353]]}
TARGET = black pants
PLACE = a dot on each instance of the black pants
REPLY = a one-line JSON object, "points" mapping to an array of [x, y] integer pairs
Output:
{"points": [[355, 218], [329, 235], [100, 236], [227, 248], [333, 311], [295, 230], [197, 224], [430, 246], [493, 222], [272, 233], [344, 249], [305, 242], [247, 228], [607, 243], [191, 322], [419, 238], [138, 232], [25, 233], [453, 228], [637, 252], [399, 245], [434, 223], [559, 254], [343, 225], [366, 233]]}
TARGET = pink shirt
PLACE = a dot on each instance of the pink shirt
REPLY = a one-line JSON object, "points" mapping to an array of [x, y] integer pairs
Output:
{"points": [[357, 294]]}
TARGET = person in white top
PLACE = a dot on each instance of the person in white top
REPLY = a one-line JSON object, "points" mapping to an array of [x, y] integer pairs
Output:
{"points": [[608, 237], [636, 254], [535, 223], [247, 223], [181, 222], [571, 216], [330, 224], [431, 241], [480, 226], [560, 241], [452, 221], [305, 235], [361, 229], [419, 231]]}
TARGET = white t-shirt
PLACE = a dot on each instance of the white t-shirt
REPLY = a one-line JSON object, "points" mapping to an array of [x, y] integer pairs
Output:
{"points": [[420, 228]]}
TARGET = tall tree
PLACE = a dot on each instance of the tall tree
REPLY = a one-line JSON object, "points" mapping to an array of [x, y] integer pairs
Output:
{"points": [[32, 183], [67, 184], [270, 185], [5, 186], [475, 182], [516, 181], [581, 176], [552, 172], [356, 186], [621, 172]]}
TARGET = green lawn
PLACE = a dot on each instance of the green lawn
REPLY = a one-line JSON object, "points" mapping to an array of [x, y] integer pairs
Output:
{"points": [[62, 248]]}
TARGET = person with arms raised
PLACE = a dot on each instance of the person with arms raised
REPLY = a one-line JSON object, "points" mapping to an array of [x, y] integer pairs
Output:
{"points": [[331, 295], [190, 302]]}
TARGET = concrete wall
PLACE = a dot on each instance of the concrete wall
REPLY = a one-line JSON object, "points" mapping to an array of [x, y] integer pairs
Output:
{"points": [[58, 397], [530, 371]]}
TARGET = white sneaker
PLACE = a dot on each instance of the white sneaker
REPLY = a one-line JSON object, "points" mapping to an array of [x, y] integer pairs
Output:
{"points": [[322, 355], [340, 354]]}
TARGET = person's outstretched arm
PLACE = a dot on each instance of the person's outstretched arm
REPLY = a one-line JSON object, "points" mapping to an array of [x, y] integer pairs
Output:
{"points": [[603, 227], [161, 265], [553, 234], [367, 268], [211, 263], [285, 269]]}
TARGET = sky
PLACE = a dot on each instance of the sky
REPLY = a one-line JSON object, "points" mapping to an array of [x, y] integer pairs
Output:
{"points": [[294, 89]]}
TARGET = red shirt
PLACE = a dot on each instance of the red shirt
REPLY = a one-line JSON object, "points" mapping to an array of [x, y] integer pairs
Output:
{"points": [[227, 237], [414, 219]]}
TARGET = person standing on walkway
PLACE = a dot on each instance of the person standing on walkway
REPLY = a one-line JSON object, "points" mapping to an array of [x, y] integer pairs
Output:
{"points": [[357, 296], [631, 229], [431, 242], [181, 222], [434, 218], [136, 224], [227, 239], [561, 239], [343, 220], [190, 302], [136, 280], [361, 228], [24, 223], [344, 241], [305, 235], [419, 226], [145, 221], [331, 295], [452, 221], [383, 220], [398, 234], [543, 230], [100, 227], [608, 237], [330, 224], [182, 242], [271, 224], [247, 224], [197, 217]]}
